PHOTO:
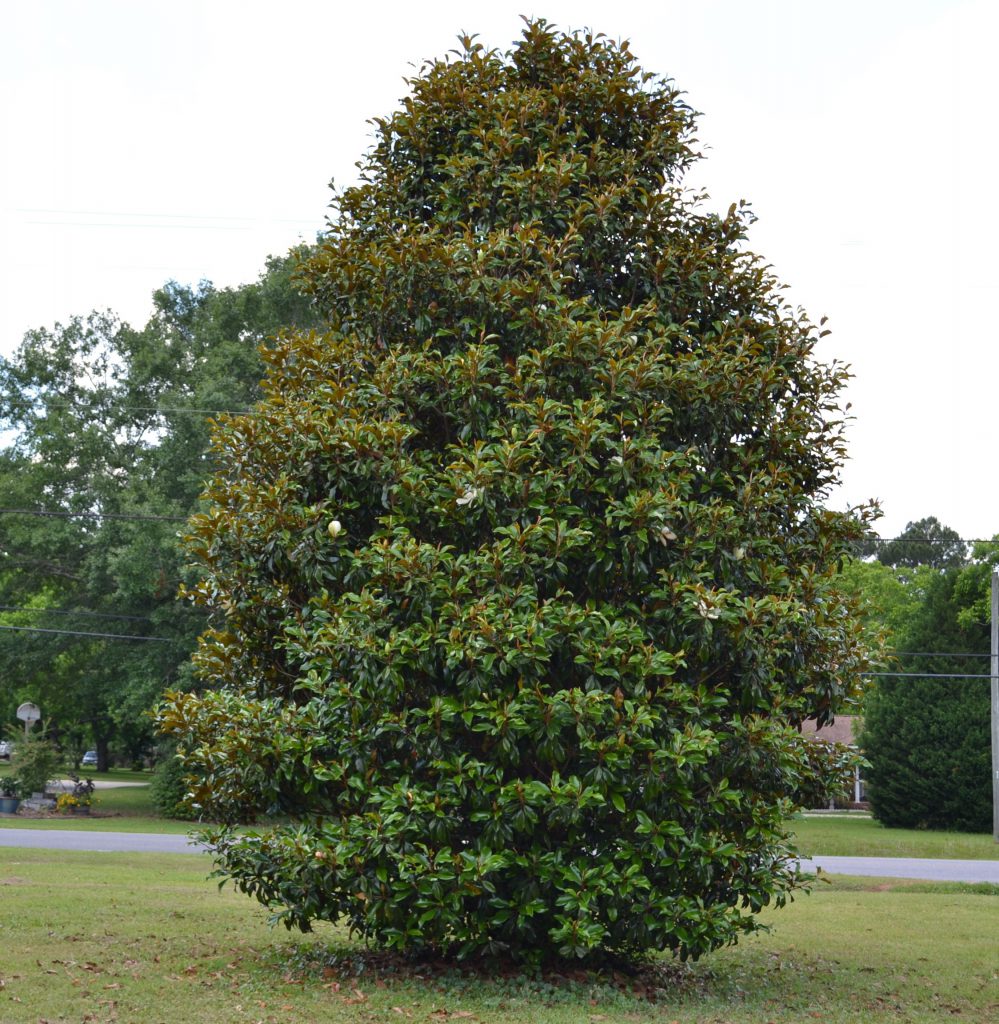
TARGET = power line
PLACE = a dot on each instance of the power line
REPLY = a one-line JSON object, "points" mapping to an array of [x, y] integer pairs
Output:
{"points": [[925, 675], [187, 409], [180, 409], [59, 514], [75, 632], [161, 215], [69, 611], [927, 540], [936, 654]]}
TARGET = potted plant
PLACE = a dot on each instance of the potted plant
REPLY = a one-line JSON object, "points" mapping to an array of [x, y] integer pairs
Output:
{"points": [[10, 794], [79, 799]]}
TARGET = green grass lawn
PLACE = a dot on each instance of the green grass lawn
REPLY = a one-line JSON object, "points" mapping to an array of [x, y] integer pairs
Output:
{"points": [[860, 836], [125, 809], [148, 938], [114, 775]]}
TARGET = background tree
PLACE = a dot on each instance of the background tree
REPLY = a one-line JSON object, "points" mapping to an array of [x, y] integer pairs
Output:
{"points": [[526, 576], [927, 739], [924, 542], [886, 597], [108, 451]]}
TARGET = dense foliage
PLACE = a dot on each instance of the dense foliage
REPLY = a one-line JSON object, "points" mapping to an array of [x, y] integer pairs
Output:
{"points": [[106, 450], [925, 542], [35, 763], [526, 574], [168, 788], [927, 739]]}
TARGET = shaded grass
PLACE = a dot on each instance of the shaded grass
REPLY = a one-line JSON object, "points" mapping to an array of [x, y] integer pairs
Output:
{"points": [[144, 938], [836, 836]]}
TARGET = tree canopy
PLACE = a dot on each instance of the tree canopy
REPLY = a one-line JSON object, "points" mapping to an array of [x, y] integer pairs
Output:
{"points": [[107, 452], [526, 575], [924, 542]]}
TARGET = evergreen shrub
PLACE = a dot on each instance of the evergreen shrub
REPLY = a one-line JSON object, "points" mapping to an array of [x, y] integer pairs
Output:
{"points": [[169, 788], [526, 578], [927, 739]]}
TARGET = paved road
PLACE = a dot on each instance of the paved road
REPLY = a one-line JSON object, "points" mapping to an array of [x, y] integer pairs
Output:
{"points": [[140, 842], [909, 867], [100, 842]]}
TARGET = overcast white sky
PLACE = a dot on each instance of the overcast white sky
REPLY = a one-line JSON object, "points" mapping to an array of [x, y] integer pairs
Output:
{"points": [[144, 141]]}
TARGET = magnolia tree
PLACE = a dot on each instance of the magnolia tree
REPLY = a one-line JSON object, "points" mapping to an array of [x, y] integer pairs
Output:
{"points": [[522, 577]]}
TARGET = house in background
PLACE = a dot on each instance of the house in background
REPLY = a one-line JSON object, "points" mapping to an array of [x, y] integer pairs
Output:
{"points": [[841, 731]]}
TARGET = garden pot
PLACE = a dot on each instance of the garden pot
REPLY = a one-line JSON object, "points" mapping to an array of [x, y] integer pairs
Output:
{"points": [[9, 804]]}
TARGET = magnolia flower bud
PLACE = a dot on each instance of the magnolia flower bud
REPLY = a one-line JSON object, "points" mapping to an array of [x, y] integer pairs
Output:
{"points": [[335, 529], [666, 535]]}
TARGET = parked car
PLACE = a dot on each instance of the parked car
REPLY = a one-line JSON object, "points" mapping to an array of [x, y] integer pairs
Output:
{"points": [[89, 759], [5, 750]]}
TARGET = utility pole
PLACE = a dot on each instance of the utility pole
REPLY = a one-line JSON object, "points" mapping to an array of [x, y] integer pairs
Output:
{"points": [[995, 705]]}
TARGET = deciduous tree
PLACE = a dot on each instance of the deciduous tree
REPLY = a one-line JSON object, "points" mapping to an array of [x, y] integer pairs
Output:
{"points": [[107, 451]]}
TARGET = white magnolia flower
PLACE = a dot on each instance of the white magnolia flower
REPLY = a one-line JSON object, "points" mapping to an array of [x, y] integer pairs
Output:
{"points": [[335, 528], [706, 610], [666, 535], [468, 496], [740, 553]]}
